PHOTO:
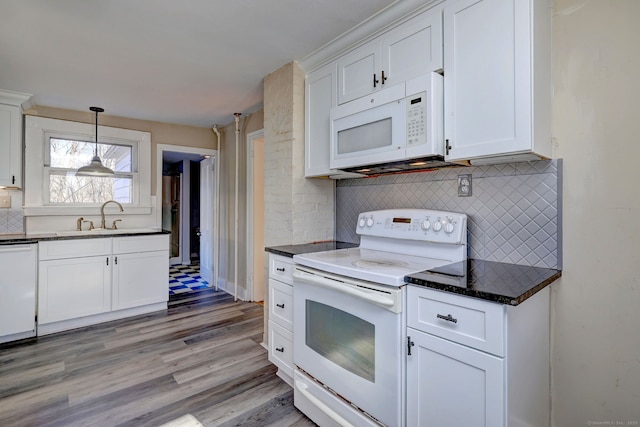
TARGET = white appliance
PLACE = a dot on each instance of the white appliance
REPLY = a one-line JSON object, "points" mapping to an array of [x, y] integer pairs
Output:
{"points": [[395, 124], [349, 333], [18, 264]]}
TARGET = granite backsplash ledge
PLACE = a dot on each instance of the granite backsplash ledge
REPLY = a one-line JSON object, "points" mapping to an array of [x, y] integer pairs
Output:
{"points": [[514, 211]]}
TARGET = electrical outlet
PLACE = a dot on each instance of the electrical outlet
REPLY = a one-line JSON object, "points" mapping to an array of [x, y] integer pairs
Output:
{"points": [[464, 185], [5, 201]]}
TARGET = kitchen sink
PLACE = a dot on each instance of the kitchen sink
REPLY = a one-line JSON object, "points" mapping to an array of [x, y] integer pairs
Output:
{"points": [[105, 231]]}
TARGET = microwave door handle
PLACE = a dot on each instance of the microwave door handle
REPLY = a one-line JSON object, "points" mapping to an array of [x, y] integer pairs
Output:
{"points": [[342, 287], [302, 388]]}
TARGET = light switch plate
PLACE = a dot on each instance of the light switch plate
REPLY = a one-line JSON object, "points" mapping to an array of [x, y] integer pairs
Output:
{"points": [[5, 201]]}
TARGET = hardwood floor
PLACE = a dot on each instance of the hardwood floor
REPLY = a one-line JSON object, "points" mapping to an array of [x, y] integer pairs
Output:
{"points": [[202, 357]]}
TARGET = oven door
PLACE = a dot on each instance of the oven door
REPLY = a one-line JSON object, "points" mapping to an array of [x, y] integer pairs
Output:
{"points": [[348, 335]]}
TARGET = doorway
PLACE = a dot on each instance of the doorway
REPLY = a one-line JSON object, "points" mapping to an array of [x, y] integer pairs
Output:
{"points": [[256, 256], [181, 190]]}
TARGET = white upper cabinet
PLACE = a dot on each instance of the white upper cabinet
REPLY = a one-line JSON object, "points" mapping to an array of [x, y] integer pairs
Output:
{"points": [[11, 138], [497, 79], [409, 50], [359, 72], [320, 97], [413, 49]]}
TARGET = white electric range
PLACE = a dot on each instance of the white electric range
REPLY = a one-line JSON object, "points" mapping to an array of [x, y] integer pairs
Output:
{"points": [[349, 326]]}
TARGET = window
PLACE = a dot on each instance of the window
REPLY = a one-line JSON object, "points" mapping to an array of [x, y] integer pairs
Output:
{"points": [[67, 155], [55, 149]]}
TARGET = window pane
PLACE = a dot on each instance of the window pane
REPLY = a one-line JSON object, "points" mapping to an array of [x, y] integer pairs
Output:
{"points": [[65, 187], [346, 340], [71, 154]]}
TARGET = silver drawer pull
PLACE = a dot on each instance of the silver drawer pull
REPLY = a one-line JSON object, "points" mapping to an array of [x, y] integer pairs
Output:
{"points": [[448, 318], [280, 305], [280, 269], [281, 349]]}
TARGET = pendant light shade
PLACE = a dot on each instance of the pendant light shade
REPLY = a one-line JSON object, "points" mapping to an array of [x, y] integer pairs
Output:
{"points": [[95, 168]]}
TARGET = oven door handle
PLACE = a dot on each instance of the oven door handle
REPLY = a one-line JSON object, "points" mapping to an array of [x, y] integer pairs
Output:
{"points": [[302, 388], [344, 288]]}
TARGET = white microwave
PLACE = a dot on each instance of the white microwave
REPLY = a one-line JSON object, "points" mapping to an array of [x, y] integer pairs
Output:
{"points": [[402, 122]]}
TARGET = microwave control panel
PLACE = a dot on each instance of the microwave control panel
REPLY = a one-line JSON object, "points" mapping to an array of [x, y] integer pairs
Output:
{"points": [[417, 119]]}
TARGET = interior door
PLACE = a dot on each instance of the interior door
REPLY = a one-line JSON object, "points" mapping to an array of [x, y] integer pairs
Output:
{"points": [[208, 215]]}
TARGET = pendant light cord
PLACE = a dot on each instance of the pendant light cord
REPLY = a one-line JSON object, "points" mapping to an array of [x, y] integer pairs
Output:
{"points": [[96, 110]]}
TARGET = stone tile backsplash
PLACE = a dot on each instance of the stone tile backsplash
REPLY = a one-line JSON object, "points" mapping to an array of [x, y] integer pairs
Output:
{"points": [[514, 213]]}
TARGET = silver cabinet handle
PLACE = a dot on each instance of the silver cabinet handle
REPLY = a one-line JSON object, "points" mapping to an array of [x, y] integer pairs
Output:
{"points": [[448, 318]]}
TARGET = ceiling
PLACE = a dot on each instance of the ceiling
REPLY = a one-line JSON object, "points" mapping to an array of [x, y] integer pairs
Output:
{"points": [[192, 62]]}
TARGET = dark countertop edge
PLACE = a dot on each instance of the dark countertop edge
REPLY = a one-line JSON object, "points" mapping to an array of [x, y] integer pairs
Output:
{"points": [[291, 250], [500, 299], [35, 238], [305, 248]]}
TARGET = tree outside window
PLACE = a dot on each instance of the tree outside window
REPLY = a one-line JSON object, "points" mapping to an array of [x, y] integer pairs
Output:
{"points": [[66, 156]]}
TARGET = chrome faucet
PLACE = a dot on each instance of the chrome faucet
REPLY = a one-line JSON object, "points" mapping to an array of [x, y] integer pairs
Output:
{"points": [[102, 221]]}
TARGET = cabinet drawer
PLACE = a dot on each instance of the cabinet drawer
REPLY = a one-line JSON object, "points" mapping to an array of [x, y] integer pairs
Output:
{"points": [[281, 268], [468, 321], [144, 243], [74, 248], [281, 304], [281, 348]]}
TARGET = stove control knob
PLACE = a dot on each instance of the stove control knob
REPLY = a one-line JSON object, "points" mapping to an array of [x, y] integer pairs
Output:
{"points": [[426, 225], [448, 228], [362, 222], [437, 226], [369, 221]]}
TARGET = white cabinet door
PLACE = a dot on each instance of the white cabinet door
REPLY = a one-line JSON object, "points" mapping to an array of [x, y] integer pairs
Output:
{"points": [[74, 287], [320, 97], [452, 385], [410, 50], [487, 80], [18, 290], [140, 279], [413, 49], [10, 146], [359, 72]]}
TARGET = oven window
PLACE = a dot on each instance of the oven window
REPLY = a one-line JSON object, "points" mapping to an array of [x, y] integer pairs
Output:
{"points": [[346, 340]]}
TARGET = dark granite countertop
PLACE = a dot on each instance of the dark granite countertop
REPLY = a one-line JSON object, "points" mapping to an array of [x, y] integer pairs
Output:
{"points": [[305, 248], [22, 238], [493, 281]]}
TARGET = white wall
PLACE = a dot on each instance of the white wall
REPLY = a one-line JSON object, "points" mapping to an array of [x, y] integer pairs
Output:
{"points": [[596, 324]]}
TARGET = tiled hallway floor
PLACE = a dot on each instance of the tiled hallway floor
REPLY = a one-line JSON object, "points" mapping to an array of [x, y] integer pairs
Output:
{"points": [[185, 278]]}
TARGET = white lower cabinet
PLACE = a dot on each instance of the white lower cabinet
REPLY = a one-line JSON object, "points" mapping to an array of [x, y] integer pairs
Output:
{"points": [[281, 315], [140, 279], [140, 271], [454, 385], [476, 363], [87, 281], [73, 287]]}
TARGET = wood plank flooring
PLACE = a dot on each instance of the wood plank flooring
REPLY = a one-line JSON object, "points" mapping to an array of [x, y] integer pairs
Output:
{"points": [[202, 357]]}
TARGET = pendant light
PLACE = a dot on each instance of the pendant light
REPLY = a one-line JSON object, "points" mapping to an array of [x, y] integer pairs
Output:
{"points": [[95, 168]]}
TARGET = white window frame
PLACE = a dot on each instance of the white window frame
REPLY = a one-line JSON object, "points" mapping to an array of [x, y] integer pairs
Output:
{"points": [[38, 130]]}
